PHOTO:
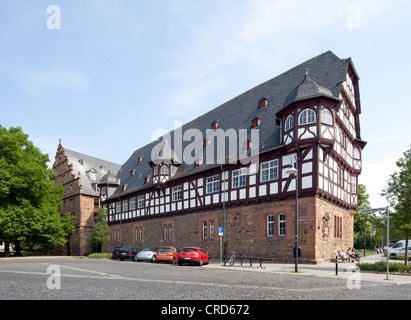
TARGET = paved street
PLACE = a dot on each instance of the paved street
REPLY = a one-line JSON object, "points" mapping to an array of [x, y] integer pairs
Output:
{"points": [[83, 279]]}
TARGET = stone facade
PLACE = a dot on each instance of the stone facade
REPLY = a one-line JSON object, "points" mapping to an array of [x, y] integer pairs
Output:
{"points": [[247, 231], [78, 173]]}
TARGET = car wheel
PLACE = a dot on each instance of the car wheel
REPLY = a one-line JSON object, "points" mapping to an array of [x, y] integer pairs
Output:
{"points": [[153, 259], [173, 261], [180, 263], [201, 262]]}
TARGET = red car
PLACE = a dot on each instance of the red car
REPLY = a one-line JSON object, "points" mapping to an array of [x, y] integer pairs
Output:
{"points": [[192, 255]]}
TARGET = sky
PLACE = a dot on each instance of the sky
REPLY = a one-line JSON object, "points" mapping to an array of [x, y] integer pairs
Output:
{"points": [[103, 75]]}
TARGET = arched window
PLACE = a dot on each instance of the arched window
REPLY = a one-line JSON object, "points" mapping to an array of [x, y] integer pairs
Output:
{"points": [[357, 155], [326, 117], [306, 117], [289, 123]]}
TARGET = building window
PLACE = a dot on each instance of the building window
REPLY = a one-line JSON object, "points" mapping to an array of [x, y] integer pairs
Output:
{"points": [[132, 203], [262, 103], [281, 224], [118, 207], [214, 125], [211, 229], [289, 123], [164, 169], [170, 232], [198, 163], [204, 233], [255, 123], [326, 117], [247, 145], [125, 205], [269, 170], [357, 155], [306, 117], [165, 231], [207, 142], [337, 227], [140, 202], [213, 184], [270, 225], [238, 179], [177, 193], [353, 184]]}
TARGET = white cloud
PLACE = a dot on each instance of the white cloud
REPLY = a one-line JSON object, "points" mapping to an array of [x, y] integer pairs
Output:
{"points": [[40, 82]]}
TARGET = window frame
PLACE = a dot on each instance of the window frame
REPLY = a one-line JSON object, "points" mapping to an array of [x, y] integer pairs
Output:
{"points": [[281, 224], [273, 167], [326, 117], [308, 116], [270, 226], [238, 178], [214, 185], [289, 123], [177, 193]]}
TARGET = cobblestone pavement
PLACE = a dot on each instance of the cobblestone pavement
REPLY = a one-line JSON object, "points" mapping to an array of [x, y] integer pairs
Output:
{"points": [[54, 278]]}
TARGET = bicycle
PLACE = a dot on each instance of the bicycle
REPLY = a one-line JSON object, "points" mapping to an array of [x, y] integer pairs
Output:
{"points": [[232, 259]]}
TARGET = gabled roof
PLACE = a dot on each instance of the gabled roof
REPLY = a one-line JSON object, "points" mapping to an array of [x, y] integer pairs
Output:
{"points": [[84, 164], [327, 73]]}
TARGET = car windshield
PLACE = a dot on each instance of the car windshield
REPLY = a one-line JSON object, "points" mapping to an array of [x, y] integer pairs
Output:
{"points": [[164, 250], [189, 250], [148, 249]]}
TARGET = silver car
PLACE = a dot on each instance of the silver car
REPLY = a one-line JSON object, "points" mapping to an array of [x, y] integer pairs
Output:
{"points": [[147, 254]]}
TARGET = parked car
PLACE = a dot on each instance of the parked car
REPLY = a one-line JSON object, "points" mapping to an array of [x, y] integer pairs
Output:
{"points": [[400, 252], [117, 252], [398, 247], [193, 255], [147, 254], [129, 253], [168, 254]]}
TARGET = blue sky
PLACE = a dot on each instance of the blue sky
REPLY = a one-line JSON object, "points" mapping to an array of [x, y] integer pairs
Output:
{"points": [[115, 71]]}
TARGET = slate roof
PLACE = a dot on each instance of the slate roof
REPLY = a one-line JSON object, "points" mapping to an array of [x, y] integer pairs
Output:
{"points": [[82, 164], [327, 72]]}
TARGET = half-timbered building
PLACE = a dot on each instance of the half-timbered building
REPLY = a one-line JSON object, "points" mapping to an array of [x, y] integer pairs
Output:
{"points": [[227, 169]]}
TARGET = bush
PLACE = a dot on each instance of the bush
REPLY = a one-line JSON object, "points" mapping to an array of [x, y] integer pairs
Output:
{"points": [[100, 255], [382, 266]]}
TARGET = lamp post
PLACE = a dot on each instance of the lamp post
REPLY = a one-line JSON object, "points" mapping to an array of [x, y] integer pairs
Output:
{"points": [[293, 170]]}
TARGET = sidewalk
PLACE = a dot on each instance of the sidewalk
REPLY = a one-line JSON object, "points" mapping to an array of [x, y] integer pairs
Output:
{"points": [[324, 270]]}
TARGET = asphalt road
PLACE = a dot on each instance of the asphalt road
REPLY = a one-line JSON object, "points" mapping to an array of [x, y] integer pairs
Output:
{"points": [[89, 279]]}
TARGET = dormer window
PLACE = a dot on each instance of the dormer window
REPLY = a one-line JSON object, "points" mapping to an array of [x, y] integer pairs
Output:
{"points": [[255, 123], [262, 103], [132, 172], [247, 145], [124, 187], [214, 125], [140, 158], [307, 117], [207, 142], [198, 162], [146, 179]]}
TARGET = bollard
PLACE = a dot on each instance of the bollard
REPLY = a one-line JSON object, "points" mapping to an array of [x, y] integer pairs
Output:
{"points": [[251, 262], [241, 261], [336, 264], [261, 262]]}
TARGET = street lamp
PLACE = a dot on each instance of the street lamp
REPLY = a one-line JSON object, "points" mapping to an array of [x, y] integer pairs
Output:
{"points": [[293, 170]]}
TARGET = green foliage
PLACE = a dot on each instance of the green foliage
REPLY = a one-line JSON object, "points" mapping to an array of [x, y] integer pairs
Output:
{"points": [[100, 255], [101, 231], [398, 194], [29, 201], [382, 266]]}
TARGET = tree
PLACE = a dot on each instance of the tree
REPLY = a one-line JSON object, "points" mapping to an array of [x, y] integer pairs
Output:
{"points": [[363, 203], [101, 231], [29, 201], [398, 194]]}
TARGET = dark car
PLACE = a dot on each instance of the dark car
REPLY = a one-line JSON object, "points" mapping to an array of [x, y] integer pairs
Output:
{"points": [[125, 253]]}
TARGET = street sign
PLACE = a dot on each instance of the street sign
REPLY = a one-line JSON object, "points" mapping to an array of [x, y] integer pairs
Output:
{"points": [[373, 210], [220, 231]]}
